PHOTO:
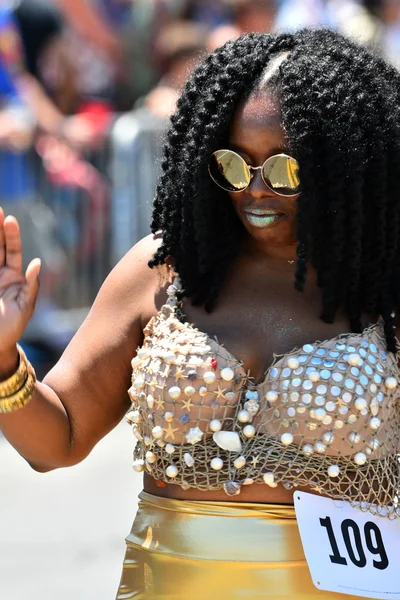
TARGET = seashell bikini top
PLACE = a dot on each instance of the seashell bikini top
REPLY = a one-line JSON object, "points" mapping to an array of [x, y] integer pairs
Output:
{"points": [[326, 415]]}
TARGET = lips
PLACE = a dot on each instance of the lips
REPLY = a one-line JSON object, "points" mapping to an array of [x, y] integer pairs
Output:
{"points": [[263, 217], [263, 211]]}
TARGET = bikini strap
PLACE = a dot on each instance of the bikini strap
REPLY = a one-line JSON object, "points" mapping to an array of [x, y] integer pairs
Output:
{"points": [[172, 291], [177, 283]]}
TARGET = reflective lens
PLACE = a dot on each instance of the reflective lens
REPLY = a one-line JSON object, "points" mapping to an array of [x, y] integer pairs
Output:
{"points": [[281, 174], [229, 171]]}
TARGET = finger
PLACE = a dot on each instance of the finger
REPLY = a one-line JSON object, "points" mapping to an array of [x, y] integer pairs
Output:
{"points": [[13, 244], [32, 280], [2, 240]]}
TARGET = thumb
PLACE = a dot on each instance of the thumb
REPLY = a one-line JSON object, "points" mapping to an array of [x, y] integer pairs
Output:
{"points": [[32, 278]]}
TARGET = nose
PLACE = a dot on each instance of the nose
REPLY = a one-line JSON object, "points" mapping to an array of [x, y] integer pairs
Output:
{"points": [[257, 187]]}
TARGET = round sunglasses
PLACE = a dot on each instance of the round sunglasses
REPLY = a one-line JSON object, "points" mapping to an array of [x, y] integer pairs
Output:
{"points": [[231, 172]]}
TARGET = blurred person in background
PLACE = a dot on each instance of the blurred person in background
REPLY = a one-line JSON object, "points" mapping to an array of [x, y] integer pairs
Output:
{"points": [[389, 11], [354, 18], [31, 36], [95, 48], [178, 49], [112, 46], [211, 13], [295, 14], [98, 21], [39, 33], [181, 44], [220, 35], [111, 42], [255, 15], [149, 18], [27, 30], [246, 16], [25, 106]]}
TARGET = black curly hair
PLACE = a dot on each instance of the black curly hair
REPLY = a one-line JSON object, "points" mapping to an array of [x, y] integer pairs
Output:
{"points": [[340, 112]]}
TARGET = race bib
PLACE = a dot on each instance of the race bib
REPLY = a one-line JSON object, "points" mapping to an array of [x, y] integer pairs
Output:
{"points": [[347, 550]]}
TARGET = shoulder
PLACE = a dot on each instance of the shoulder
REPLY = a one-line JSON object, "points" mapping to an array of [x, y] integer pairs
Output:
{"points": [[133, 285], [134, 266]]}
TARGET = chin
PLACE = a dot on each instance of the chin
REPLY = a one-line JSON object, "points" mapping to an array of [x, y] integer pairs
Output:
{"points": [[281, 233]]}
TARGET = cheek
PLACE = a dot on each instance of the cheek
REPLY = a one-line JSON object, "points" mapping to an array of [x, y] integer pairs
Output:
{"points": [[292, 206], [237, 200], [234, 202]]}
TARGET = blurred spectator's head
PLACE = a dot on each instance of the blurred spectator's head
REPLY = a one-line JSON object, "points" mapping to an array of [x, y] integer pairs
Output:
{"points": [[212, 13], [220, 35], [374, 6], [255, 15], [178, 49], [390, 11]]}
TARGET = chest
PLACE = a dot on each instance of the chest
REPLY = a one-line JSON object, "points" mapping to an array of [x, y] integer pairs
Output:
{"points": [[255, 319]]}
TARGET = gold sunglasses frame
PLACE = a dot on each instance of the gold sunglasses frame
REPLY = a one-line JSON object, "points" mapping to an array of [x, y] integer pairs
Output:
{"points": [[251, 175]]}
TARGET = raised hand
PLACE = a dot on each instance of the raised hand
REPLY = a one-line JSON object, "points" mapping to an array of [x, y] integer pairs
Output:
{"points": [[18, 291]]}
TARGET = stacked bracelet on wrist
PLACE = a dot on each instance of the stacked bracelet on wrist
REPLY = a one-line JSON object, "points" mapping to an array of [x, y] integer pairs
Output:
{"points": [[16, 391]]}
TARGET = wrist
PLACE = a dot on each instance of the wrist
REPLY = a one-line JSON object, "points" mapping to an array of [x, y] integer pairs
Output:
{"points": [[9, 361]]}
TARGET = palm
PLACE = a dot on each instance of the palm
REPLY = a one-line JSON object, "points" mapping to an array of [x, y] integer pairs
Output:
{"points": [[17, 291]]}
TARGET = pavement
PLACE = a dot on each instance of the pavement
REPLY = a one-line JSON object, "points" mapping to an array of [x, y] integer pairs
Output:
{"points": [[62, 534]]}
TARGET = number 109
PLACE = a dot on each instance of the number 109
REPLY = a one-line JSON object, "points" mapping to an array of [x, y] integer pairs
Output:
{"points": [[354, 544]]}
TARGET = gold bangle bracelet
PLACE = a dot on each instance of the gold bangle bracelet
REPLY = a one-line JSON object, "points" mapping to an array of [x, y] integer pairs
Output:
{"points": [[15, 382], [22, 397]]}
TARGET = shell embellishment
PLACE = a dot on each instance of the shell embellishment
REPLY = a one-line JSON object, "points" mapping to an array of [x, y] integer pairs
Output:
{"points": [[195, 434], [227, 374], [232, 488], [252, 406], [228, 440], [188, 458]]}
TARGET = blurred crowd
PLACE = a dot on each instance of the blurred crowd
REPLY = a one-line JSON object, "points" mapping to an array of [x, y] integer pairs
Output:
{"points": [[66, 66], [70, 68]]}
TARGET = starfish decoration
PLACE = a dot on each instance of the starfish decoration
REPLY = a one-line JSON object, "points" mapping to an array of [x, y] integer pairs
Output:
{"points": [[179, 373], [318, 489], [166, 371], [150, 368], [340, 402], [159, 402], [220, 392], [187, 404], [169, 432], [255, 460]]}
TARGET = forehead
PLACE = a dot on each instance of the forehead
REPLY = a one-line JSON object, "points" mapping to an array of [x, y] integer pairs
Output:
{"points": [[261, 108], [257, 120]]}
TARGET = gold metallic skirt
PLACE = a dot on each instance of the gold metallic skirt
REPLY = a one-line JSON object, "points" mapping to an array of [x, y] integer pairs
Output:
{"points": [[189, 550]]}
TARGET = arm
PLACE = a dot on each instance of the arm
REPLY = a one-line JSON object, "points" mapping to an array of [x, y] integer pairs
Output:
{"points": [[85, 395], [84, 17], [13, 60], [75, 129], [47, 115]]}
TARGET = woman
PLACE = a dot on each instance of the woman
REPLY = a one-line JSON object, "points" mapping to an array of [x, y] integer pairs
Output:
{"points": [[280, 165]]}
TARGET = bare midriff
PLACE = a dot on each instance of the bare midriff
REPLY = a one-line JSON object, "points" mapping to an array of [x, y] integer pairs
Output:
{"points": [[259, 493]]}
